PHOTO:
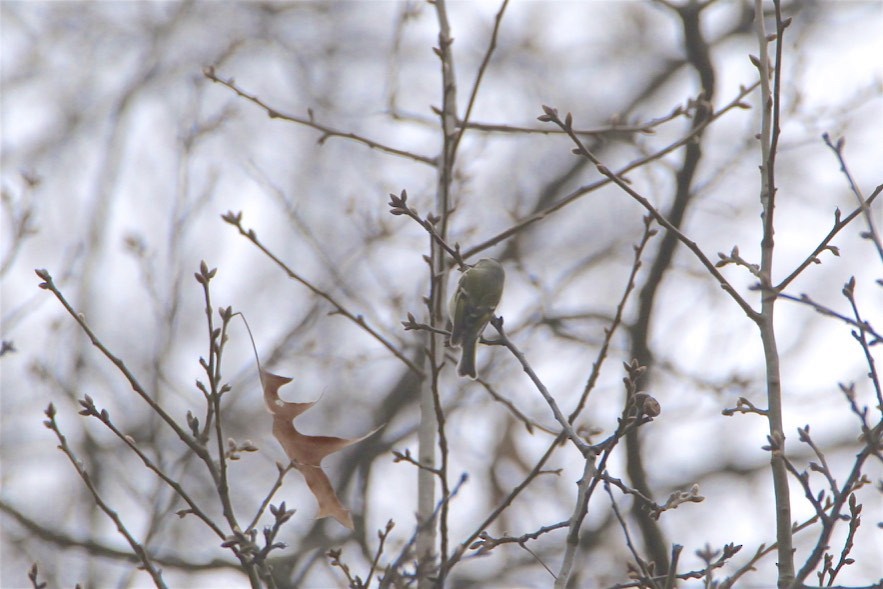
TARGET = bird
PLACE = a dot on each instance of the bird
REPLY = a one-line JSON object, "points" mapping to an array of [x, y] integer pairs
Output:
{"points": [[471, 308]]}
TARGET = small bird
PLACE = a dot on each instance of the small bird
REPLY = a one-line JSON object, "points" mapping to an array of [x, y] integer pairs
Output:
{"points": [[472, 307]]}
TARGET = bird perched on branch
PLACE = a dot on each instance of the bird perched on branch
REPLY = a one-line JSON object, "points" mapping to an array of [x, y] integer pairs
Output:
{"points": [[472, 307]]}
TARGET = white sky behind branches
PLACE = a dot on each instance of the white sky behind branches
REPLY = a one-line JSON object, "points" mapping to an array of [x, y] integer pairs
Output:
{"points": [[106, 105]]}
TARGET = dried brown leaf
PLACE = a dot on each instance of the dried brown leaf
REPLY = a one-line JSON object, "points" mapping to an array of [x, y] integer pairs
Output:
{"points": [[306, 452]]}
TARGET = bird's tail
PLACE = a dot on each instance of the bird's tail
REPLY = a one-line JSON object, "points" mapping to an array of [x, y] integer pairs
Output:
{"points": [[467, 359]]}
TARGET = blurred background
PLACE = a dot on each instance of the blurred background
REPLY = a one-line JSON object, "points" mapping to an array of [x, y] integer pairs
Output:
{"points": [[119, 157]]}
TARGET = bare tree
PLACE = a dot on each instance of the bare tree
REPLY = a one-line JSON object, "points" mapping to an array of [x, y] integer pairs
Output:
{"points": [[679, 388]]}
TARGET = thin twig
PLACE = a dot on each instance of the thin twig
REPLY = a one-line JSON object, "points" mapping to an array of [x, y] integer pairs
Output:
{"points": [[327, 132], [235, 219], [51, 534], [283, 470], [409, 545], [628, 541], [649, 232], [615, 128], [862, 326], [137, 548], [103, 416], [824, 244], [580, 509], [615, 177], [492, 44], [520, 225], [191, 443], [864, 205], [566, 425]]}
